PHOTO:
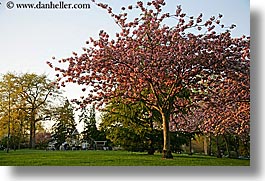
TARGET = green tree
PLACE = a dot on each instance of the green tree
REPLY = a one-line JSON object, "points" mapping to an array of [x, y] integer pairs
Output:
{"points": [[36, 89], [132, 126], [65, 125], [88, 118], [9, 102], [90, 133], [24, 97]]}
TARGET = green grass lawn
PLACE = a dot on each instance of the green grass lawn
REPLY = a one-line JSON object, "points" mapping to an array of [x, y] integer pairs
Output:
{"points": [[108, 158]]}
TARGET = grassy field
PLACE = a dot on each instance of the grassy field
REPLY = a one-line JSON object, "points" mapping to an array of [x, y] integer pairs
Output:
{"points": [[108, 158]]}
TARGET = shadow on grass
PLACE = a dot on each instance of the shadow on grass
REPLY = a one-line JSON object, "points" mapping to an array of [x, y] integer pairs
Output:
{"points": [[175, 155]]}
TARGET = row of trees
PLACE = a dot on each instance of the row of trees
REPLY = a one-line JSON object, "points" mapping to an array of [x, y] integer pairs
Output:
{"points": [[194, 74], [64, 129], [28, 101], [133, 126], [136, 128], [24, 102]]}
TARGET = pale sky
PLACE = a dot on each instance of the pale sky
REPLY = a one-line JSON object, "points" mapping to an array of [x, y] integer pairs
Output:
{"points": [[29, 38]]}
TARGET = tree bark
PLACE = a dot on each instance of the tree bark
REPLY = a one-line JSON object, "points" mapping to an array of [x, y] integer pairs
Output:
{"points": [[20, 131], [218, 151], [30, 134], [32, 130], [210, 145], [190, 145], [166, 146], [237, 146], [227, 145], [151, 150], [34, 135], [205, 145]]}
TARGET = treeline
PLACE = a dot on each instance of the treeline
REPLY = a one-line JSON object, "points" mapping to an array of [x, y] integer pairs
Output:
{"points": [[135, 127], [27, 101], [24, 103]]}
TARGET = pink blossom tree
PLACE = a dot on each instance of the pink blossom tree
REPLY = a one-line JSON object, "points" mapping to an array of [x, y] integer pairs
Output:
{"points": [[153, 62]]}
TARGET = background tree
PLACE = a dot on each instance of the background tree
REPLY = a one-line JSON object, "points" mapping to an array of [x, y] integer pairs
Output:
{"points": [[24, 97], [9, 97], [36, 90], [227, 108], [65, 125], [132, 126], [153, 62], [91, 132]]}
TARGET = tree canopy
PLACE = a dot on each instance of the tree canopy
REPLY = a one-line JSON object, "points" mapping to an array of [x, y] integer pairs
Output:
{"points": [[169, 68], [24, 101]]}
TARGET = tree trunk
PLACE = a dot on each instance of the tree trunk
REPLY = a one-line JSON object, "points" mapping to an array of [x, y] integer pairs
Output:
{"points": [[205, 145], [237, 146], [8, 124], [190, 145], [34, 135], [151, 150], [20, 132], [30, 134], [218, 151], [32, 130], [227, 144], [210, 145], [166, 153]]}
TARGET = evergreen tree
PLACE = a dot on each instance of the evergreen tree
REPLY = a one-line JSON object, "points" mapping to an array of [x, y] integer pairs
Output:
{"points": [[132, 126], [88, 117], [65, 125]]}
